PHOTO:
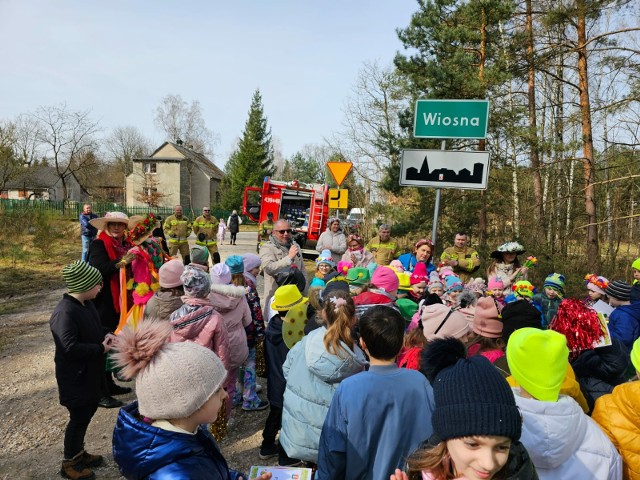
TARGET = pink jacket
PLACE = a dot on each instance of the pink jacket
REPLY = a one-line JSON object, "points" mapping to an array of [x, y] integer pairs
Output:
{"points": [[196, 321], [230, 302]]}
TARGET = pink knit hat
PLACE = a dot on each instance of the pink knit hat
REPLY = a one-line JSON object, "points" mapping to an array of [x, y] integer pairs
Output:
{"points": [[455, 325], [385, 278], [170, 274], [486, 321], [495, 283], [419, 274]]}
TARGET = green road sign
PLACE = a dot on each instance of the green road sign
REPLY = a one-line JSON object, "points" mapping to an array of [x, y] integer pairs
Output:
{"points": [[451, 119]]}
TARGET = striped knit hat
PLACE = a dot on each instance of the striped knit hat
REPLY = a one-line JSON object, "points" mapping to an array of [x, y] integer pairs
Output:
{"points": [[619, 289], [81, 277]]}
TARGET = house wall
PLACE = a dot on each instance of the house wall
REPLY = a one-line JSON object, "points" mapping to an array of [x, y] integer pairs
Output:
{"points": [[195, 187], [166, 180]]}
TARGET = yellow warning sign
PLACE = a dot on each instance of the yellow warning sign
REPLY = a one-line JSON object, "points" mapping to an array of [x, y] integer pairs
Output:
{"points": [[339, 170], [338, 198]]}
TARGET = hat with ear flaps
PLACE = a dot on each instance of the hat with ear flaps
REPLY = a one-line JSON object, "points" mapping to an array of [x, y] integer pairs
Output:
{"points": [[471, 396]]}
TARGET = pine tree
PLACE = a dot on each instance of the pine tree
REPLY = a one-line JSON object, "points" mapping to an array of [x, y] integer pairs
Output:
{"points": [[253, 158]]}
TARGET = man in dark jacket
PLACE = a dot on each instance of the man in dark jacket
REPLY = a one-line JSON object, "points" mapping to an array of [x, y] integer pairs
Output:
{"points": [[79, 357], [87, 231], [233, 224]]}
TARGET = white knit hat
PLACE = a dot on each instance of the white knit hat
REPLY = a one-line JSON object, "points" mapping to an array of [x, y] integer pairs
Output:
{"points": [[173, 380]]}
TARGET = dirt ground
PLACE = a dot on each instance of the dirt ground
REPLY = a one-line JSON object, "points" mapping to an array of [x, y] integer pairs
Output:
{"points": [[32, 422]]}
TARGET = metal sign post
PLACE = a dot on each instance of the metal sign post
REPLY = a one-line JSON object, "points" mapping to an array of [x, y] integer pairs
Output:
{"points": [[436, 208]]}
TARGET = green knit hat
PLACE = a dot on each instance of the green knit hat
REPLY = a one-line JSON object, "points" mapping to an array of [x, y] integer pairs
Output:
{"points": [[538, 361], [81, 277]]}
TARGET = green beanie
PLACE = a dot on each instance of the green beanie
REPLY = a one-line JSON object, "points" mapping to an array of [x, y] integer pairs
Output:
{"points": [[538, 361], [81, 277]]}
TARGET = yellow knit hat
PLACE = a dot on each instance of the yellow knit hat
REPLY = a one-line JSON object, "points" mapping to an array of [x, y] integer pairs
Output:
{"points": [[635, 355], [538, 361]]}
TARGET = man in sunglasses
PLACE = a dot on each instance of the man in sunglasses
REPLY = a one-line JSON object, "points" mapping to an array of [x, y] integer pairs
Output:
{"points": [[280, 253]]}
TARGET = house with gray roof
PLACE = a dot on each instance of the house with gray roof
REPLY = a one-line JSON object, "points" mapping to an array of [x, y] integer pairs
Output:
{"points": [[174, 174], [42, 182]]}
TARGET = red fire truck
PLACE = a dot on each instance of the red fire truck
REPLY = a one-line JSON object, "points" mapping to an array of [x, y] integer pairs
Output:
{"points": [[306, 206]]}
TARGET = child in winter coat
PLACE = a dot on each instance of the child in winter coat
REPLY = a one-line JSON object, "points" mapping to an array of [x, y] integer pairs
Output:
{"points": [[624, 321], [383, 291], [248, 396], [196, 320], [618, 414], [561, 439], [179, 388], [495, 288], [453, 287], [435, 284], [313, 370], [222, 230], [550, 300], [324, 265], [230, 303], [596, 287], [80, 346], [635, 267], [476, 423], [287, 298]]}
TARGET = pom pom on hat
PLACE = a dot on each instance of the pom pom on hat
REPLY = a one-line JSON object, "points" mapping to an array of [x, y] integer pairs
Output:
{"points": [[596, 284], [251, 261], [419, 273], [538, 361], [220, 274], [495, 283], [556, 282], [523, 288], [196, 282], [235, 264], [173, 380], [619, 289], [578, 323], [471, 397], [81, 277]]}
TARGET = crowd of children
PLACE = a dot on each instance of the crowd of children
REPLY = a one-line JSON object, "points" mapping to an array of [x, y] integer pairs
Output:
{"points": [[380, 372]]}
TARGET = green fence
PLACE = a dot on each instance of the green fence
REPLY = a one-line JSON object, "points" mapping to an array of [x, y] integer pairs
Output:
{"points": [[72, 210]]}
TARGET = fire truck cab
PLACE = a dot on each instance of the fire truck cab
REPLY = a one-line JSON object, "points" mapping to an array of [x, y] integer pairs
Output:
{"points": [[305, 206]]}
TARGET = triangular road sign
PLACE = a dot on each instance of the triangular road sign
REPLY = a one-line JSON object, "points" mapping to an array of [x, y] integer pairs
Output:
{"points": [[339, 170]]}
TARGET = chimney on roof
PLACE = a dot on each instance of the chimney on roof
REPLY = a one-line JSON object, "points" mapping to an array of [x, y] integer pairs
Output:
{"points": [[178, 141]]}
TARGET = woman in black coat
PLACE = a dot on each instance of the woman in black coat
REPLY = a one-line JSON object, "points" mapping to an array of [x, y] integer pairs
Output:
{"points": [[80, 346]]}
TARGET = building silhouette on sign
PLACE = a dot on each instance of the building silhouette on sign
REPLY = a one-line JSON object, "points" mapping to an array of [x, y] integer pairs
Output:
{"points": [[445, 174]]}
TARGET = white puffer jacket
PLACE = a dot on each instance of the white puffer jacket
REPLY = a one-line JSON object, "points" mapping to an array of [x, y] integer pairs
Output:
{"points": [[334, 241], [563, 442]]}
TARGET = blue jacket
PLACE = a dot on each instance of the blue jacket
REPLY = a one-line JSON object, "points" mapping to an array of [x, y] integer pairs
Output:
{"points": [[143, 451], [312, 375], [376, 419], [409, 261], [624, 324], [86, 229]]}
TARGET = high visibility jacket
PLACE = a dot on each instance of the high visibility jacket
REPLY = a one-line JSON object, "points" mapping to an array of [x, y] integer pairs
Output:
{"points": [[467, 258], [208, 227], [177, 230], [265, 230], [383, 252]]}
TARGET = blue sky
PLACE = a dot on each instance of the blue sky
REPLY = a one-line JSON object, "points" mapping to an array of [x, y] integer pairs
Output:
{"points": [[119, 58]]}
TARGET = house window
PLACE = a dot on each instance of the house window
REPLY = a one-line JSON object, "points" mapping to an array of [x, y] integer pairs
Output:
{"points": [[149, 167]]}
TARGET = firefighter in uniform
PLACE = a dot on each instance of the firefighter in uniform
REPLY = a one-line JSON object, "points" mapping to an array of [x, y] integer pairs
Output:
{"points": [[205, 228], [178, 228], [383, 247], [264, 229]]}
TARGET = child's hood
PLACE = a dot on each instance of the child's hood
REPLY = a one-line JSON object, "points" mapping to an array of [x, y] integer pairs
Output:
{"points": [[552, 432], [225, 298], [328, 367]]}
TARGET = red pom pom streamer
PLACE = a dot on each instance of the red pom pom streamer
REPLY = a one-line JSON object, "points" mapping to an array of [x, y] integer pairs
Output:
{"points": [[579, 324]]}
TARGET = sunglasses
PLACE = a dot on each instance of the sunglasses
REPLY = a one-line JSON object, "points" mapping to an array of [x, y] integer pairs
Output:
{"points": [[206, 210], [282, 232]]}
